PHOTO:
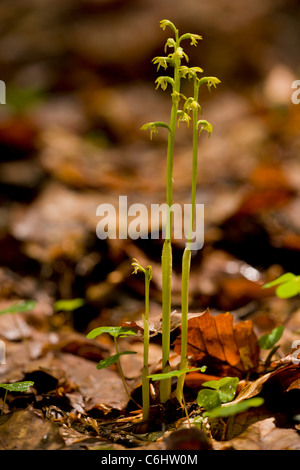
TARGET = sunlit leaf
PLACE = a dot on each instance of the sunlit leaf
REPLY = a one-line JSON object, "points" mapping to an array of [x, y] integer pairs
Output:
{"points": [[208, 399], [68, 305], [231, 410], [281, 279], [116, 331], [226, 387], [288, 289], [17, 386]]}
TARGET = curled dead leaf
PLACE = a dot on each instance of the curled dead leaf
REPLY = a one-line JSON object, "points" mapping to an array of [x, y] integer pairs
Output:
{"points": [[219, 344]]}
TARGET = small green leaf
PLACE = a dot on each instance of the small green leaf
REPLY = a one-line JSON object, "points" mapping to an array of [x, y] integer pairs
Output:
{"points": [[288, 285], [288, 289], [235, 408], [284, 278], [25, 306], [268, 340], [109, 361], [228, 390], [115, 331], [208, 399], [17, 386], [68, 305], [226, 387], [174, 373]]}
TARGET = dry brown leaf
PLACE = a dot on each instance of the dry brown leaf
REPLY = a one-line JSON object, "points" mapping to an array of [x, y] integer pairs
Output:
{"points": [[265, 435], [224, 347]]}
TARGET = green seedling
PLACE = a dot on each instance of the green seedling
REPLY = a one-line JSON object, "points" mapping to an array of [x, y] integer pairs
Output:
{"points": [[145, 371], [180, 72], [177, 373], [269, 340], [216, 399], [116, 332], [15, 387], [218, 392], [288, 285]]}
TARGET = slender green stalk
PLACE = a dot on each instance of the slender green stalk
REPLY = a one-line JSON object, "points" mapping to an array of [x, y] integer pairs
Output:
{"points": [[186, 259], [145, 371], [180, 72], [165, 385]]}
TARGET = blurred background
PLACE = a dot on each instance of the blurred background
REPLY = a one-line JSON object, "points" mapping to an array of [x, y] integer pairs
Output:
{"points": [[79, 85]]}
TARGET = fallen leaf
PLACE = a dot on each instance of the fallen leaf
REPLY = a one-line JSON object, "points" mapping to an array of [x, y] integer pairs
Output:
{"points": [[27, 430], [224, 347], [265, 435]]}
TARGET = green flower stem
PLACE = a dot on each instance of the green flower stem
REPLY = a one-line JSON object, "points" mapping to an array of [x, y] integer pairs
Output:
{"points": [[186, 259], [145, 371], [165, 385]]}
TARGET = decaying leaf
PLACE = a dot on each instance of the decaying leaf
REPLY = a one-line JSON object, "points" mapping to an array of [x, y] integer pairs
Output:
{"points": [[265, 435], [216, 342], [27, 430]]}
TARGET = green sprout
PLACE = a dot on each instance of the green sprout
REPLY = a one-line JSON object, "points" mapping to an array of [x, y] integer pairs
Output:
{"points": [[217, 392], [15, 387], [177, 115], [269, 340], [145, 371], [288, 285], [177, 373], [217, 397], [116, 332]]}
